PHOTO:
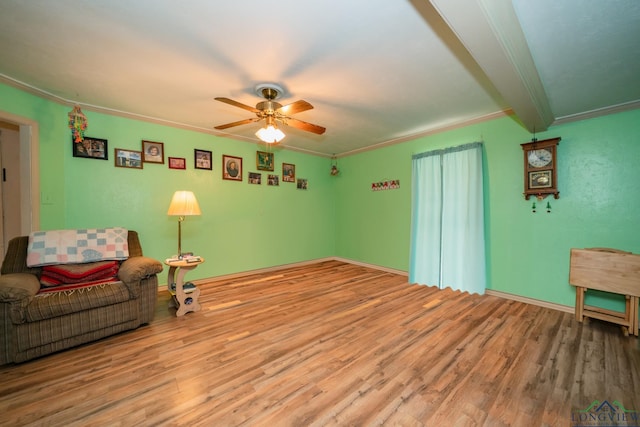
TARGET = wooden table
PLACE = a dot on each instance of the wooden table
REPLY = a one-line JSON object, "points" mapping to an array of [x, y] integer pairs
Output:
{"points": [[185, 301], [608, 270]]}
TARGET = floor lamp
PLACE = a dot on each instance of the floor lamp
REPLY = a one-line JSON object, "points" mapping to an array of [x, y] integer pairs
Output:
{"points": [[183, 203]]}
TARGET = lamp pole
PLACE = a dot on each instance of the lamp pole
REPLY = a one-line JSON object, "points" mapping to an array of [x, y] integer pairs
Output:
{"points": [[180, 219]]}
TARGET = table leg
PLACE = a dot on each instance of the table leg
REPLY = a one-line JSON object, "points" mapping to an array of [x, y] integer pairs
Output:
{"points": [[580, 303], [634, 315]]}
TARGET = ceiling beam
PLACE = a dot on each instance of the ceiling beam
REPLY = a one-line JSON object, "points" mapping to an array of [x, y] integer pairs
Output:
{"points": [[491, 32]]}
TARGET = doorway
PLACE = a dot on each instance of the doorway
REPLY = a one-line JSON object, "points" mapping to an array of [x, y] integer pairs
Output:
{"points": [[19, 177]]}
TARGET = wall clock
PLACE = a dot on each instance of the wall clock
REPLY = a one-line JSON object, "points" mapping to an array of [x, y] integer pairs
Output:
{"points": [[541, 168]]}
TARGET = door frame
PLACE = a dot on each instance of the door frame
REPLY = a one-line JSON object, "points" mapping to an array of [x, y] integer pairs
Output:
{"points": [[29, 137]]}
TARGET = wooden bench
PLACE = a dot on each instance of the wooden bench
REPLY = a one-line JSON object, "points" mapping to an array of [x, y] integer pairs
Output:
{"points": [[608, 270]]}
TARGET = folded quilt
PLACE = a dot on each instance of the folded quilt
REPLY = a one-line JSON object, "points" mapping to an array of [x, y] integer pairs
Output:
{"points": [[77, 246]]}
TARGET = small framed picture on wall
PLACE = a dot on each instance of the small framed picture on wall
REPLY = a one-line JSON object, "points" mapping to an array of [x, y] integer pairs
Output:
{"points": [[128, 158], [90, 148], [177, 163], [288, 172], [273, 180], [153, 152], [202, 159], [231, 168], [255, 178], [264, 161]]}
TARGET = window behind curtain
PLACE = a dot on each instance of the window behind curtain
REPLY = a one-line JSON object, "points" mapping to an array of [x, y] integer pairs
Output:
{"points": [[447, 223]]}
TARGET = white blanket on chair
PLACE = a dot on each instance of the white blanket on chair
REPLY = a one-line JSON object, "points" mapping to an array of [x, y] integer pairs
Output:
{"points": [[77, 246]]}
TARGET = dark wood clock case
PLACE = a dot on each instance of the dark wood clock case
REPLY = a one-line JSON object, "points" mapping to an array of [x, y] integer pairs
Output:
{"points": [[541, 180]]}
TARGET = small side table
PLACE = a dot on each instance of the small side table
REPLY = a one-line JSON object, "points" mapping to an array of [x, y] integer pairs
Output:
{"points": [[185, 300]]}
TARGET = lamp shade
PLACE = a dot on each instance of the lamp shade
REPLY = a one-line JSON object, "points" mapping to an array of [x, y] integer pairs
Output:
{"points": [[270, 134], [184, 203]]}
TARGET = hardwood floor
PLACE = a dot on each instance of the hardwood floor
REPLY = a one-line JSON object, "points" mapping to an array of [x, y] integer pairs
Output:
{"points": [[332, 344]]}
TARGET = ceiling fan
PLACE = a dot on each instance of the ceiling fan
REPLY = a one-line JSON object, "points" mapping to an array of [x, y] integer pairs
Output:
{"points": [[273, 113]]}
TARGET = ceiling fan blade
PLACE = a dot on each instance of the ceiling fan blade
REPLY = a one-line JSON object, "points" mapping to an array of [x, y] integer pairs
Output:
{"points": [[304, 125], [295, 107], [238, 104], [238, 123]]}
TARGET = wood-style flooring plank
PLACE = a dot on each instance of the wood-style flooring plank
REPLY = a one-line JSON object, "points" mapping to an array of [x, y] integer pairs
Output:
{"points": [[331, 344]]}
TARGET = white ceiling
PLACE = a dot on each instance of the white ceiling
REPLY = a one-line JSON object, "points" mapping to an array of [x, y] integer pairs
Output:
{"points": [[376, 71]]}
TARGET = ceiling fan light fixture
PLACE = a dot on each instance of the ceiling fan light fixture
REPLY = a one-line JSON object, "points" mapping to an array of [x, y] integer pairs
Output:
{"points": [[270, 134]]}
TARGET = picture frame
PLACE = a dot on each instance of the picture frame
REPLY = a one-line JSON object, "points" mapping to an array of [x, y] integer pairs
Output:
{"points": [[255, 178], [91, 148], [264, 161], [288, 172], [302, 184], [177, 163], [231, 168], [128, 158], [152, 152], [273, 180], [202, 159]]}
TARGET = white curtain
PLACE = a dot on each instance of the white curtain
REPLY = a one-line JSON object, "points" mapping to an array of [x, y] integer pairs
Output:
{"points": [[447, 221]]}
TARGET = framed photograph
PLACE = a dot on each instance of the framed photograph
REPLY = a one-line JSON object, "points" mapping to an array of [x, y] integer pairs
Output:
{"points": [[264, 161], [302, 184], [90, 148], [255, 178], [177, 163], [152, 152], [128, 158], [231, 168], [540, 179], [288, 172], [273, 180], [202, 159]]}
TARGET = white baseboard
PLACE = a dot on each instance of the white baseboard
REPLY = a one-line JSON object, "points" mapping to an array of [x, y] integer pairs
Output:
{"points": [[262, 270], [532, 301], [298, 264], [373, 266]]}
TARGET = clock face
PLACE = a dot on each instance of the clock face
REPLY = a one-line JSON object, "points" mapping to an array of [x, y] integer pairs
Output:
{"points": [[539, 158]]}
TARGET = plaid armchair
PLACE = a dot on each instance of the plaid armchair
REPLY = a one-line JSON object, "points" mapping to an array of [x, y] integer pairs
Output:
{"points": [[35, 323]]}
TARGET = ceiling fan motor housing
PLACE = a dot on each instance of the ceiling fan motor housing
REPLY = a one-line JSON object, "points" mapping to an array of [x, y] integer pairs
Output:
{"points": [[268, 107], [269, 92]]}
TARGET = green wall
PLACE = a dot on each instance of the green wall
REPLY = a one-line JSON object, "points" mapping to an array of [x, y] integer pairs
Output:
{"points": [[246, 227], [242, 226], [528, 254]]}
